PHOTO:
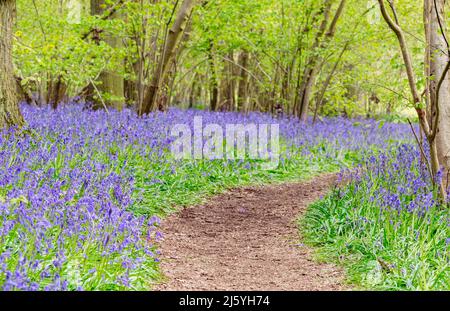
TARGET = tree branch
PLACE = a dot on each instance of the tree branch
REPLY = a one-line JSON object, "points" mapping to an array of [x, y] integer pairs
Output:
{"points": [[108, 14], [395, 27]]}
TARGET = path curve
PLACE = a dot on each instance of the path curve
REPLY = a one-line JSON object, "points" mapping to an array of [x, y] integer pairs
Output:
{"points": [[246, 239]]}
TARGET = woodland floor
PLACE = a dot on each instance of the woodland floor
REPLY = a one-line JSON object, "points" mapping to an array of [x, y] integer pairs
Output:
{"points": [[246, 239]]}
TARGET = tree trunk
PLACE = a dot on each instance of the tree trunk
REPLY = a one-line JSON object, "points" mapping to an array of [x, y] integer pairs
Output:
{"points": [[425, 124], [306, 87], [173, 38], [111, 83], [213, 84], [243, 82], [310, 72], [437, 46], [326, 83], [228, 84], [24, 94], [56, 92], [9, 101], [129, 89], [193, 93]]}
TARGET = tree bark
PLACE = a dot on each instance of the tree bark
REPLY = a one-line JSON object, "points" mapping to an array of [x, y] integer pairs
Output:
{"points": [[9, 100], [173, 38], [193, 92], [439, 95], [111, 83], [228, 84], [213, 83], [24, 94], [309, 73], [129, 89], [56, 91], [243, 82]]}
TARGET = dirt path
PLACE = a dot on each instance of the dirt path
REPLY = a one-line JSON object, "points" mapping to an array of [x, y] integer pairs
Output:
{"points": [[246, 239]]}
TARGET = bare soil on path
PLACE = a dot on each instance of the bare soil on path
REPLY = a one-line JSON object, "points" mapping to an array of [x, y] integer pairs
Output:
{"points": [[246, 239]]}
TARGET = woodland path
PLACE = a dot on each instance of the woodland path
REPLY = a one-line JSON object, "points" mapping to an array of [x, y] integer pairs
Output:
{"points": [[246, 239]]}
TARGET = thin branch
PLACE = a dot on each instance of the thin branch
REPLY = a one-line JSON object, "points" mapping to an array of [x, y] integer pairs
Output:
{"points": [[409, 67], [100, 96], [403, 46], [39, 20], [441, 27], [394, 11], [243, 68], [391, 90], [108, 14], [421, 150]]}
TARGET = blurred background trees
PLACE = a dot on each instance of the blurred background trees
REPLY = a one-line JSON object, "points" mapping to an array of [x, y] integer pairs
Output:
{"points": [[329, 57]]}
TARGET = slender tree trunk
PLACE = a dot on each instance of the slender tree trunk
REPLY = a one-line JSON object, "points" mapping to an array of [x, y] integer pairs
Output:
{"points": [[438, 48], [9, 101], [306, 89], [310, 72], [426, 126], [111, 83], [273, 95], [235, 73], [213, 84], [286, 84], [174, 36], [326, 83], [227, 84], [56, 92], [243, 82], [193, 92], [140, 74], [130, 89]]}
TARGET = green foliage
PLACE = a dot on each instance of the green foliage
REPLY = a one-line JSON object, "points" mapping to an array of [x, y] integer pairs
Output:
{"points": [[392, 247], [50, 45], [50, 42], [162, 191]]}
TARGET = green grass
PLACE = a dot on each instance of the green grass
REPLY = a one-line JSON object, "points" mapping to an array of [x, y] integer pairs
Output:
{"points": [[163, 186], [388, 250], [344, 227]]}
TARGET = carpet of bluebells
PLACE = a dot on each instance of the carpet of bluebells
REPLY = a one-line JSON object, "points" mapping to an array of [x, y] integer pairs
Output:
{"points": [[82, 192], [385, 224]]}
